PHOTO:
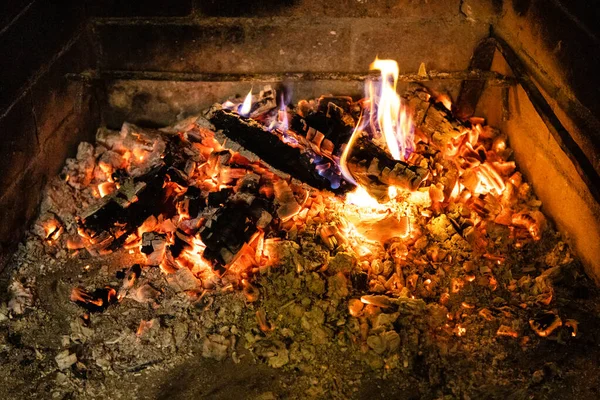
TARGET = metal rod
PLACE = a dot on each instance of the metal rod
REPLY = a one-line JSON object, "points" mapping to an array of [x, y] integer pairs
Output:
{"points": [[492, 78]]}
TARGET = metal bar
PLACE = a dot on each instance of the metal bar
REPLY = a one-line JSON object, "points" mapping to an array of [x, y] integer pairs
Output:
{"points": [[582, 164], [492, 78]]}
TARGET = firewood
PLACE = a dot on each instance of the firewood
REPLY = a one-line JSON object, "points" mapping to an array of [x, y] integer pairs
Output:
{"points": [[108, 223], [322, 134], [376, 171], [295, 160], [225, 233], [434, 119], [370, 165]]}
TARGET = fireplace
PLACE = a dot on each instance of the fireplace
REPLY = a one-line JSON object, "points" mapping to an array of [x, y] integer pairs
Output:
{"points": [[111, 293]]}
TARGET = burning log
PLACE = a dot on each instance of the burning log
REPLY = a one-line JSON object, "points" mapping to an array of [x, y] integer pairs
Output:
{"points": [[108, 224], [376, 171], [371, 166], [232, 225], [434, 119], [310, 151], [295, 160]]}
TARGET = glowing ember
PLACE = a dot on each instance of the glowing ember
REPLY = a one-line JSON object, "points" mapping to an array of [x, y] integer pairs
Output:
{"points": [[360, 197], [53, 229], [106, 188]]}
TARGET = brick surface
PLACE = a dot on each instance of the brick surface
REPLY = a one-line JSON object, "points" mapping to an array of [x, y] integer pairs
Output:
{"points": [[19, 202], [18, 141], [170, 47], [406, 9], [147, 8], [10, 9], [32, 41], [234, 46], [160, 103], [17, 208], [54, 96], [441, 45]]}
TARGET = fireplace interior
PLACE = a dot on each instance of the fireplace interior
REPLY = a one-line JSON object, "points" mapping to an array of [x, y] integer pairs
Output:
{"points": [[341, 231]]}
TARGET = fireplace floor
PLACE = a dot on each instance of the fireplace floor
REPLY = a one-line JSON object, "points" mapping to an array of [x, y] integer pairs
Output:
{"points": [[76, 325], [170, 362]]}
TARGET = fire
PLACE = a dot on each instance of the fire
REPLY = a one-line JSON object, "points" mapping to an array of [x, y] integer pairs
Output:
{"points": [[445, 100], [282, 116], [344, 157], [404, 228], [247, 105], [361, 198], [395, 124]]}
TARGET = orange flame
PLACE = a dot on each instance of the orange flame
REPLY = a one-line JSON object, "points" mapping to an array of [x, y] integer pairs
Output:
{"points": [[395, 124], [344, 158]]}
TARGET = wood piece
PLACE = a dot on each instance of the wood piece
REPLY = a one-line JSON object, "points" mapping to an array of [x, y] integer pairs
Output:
{"points": [[232, 225], [328, 127], [291, 158], [433, 119], [376, 171], [108, 224], [371, 166]]}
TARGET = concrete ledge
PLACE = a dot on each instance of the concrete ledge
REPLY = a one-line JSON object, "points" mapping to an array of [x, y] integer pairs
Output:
{"points": [[283, 44]]}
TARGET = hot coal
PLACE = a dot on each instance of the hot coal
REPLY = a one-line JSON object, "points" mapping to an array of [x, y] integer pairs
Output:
{"points": [[95, 301]]}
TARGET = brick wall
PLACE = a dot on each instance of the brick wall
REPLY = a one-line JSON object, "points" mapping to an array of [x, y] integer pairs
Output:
{"points": [[42, 115]]}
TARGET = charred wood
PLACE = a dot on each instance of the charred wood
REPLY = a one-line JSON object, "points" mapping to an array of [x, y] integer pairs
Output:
{"points": [[376, 171], [434, 119], [370, 165], [297, 161]]}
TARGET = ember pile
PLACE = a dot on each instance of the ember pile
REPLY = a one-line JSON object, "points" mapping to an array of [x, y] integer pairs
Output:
{"points": [[343, 236]]}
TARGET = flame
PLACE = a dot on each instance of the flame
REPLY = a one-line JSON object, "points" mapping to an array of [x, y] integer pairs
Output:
{"points": [[282, 116], [344, 158], [445, 100], [247, 105], [395, 124], [361, 198]]}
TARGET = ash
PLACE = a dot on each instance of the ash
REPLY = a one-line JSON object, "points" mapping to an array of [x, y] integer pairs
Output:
{"points": [[165, 264]]}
